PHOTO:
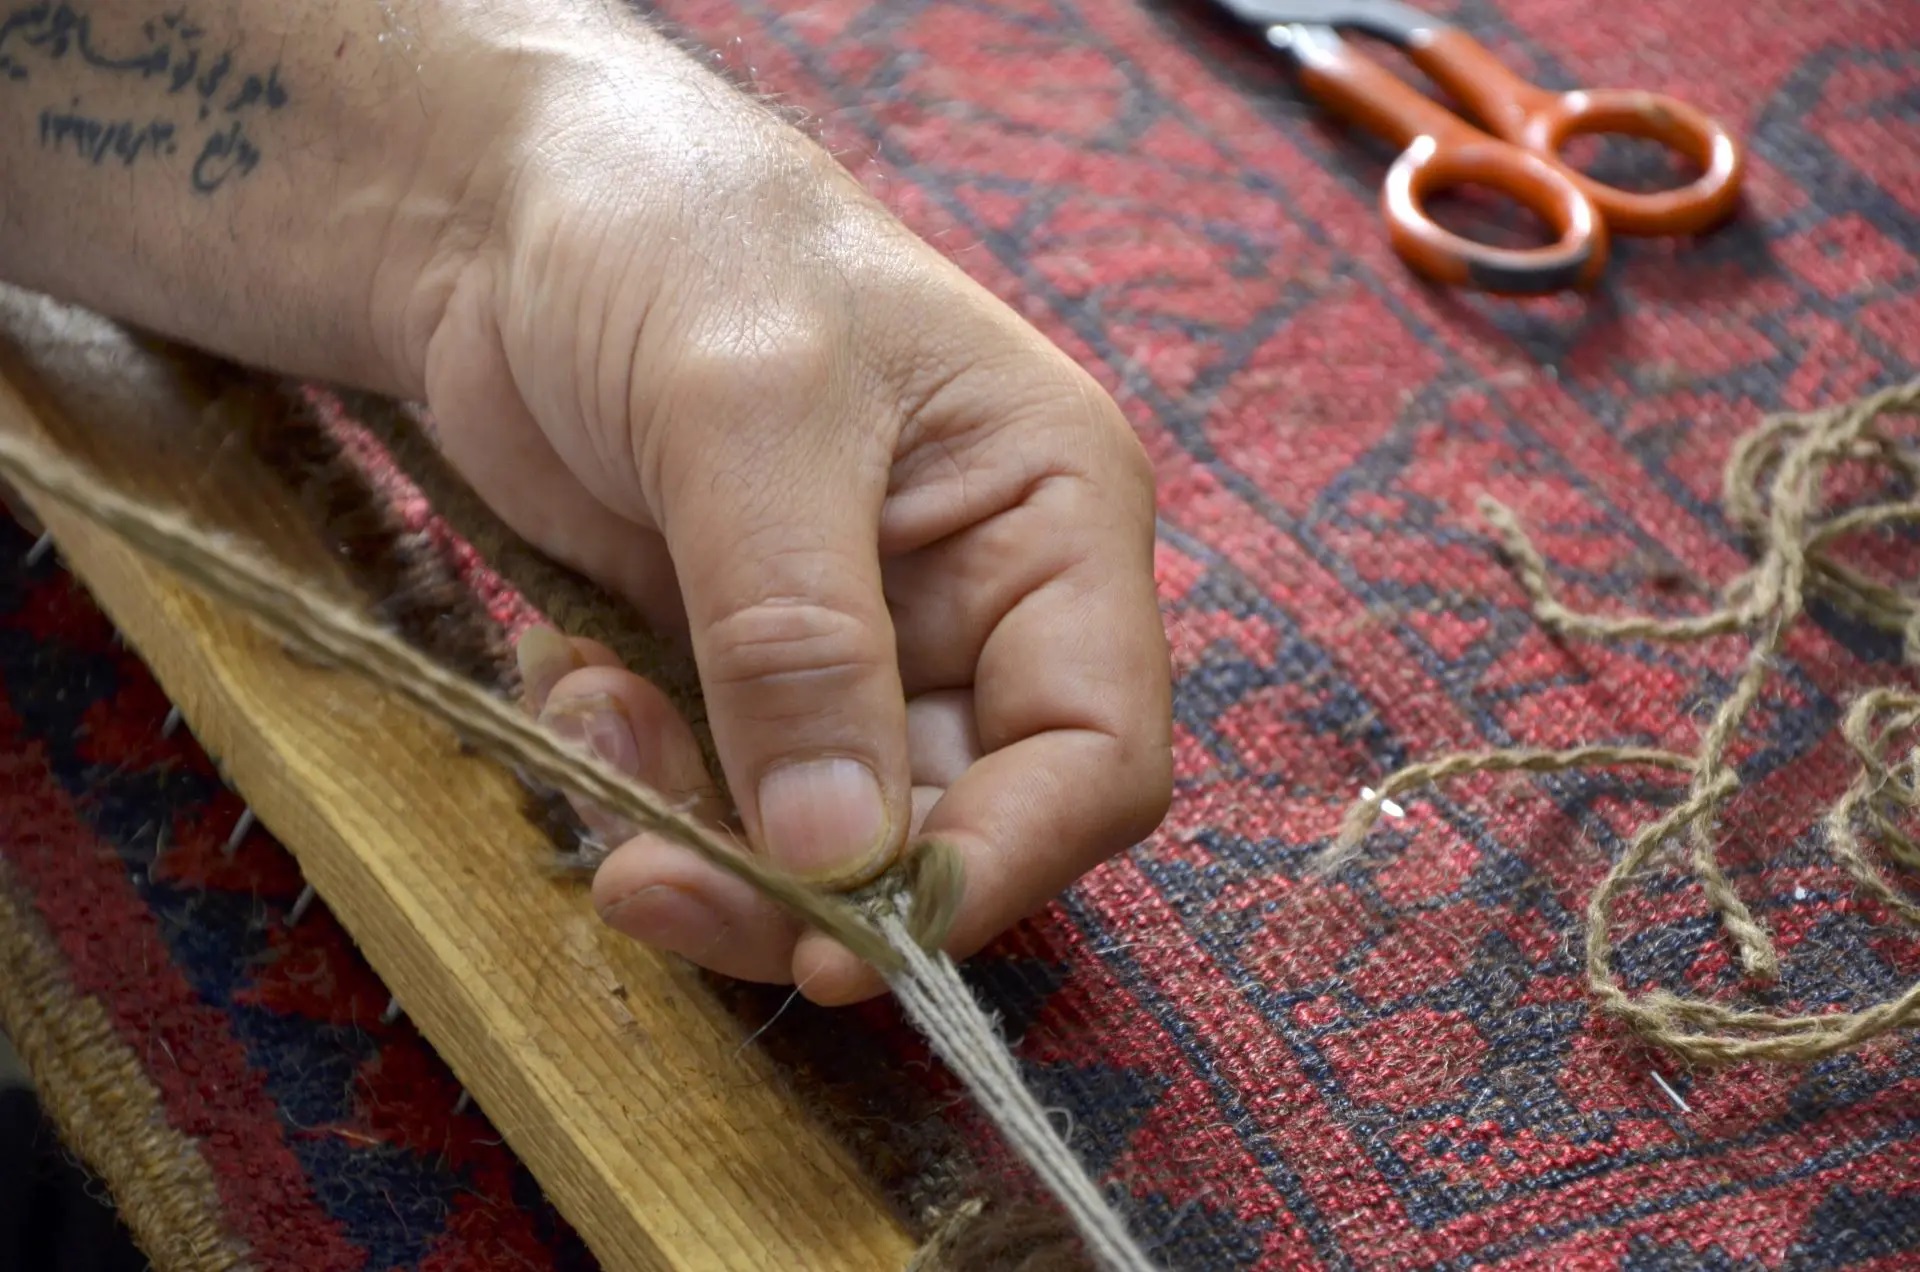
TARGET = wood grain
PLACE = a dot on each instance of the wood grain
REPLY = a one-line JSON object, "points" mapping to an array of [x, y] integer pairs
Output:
{"points": [[631, 1094]]}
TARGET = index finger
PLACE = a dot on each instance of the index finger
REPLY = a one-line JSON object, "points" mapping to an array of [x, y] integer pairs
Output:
{"points": [[1073, 702]]}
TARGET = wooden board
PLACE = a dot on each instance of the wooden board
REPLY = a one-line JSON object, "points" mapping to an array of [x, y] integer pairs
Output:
{"points": [[626, 1088]]}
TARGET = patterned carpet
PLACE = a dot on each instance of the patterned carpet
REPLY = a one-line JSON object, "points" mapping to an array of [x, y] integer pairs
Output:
{"points": [[1398, 1067]]}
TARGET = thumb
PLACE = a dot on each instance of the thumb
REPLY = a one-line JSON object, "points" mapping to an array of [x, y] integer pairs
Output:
{"points": [[780, 570]]}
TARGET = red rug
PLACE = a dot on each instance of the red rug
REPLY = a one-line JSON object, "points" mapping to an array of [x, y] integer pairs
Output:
{"points": [[1400, 1066]]}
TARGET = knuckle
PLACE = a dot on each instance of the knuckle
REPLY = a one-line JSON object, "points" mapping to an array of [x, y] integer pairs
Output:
{"points": [[1097, 429], [1131, 791], [734, 401], [754, 356], [1132, 484], [1136, 465], [1120, 451], [1141, 760], [1150, 792], [790, 642]]}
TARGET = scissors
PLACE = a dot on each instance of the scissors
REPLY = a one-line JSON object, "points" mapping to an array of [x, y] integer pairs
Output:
{"points": [[1518, 154]]}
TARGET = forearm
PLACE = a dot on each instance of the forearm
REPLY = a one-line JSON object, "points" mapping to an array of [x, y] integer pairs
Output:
{"points": [[276, 182]]}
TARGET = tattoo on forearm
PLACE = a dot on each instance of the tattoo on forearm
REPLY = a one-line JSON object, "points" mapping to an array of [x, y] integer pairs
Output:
{"points": [[205, 101], [98, 140]]}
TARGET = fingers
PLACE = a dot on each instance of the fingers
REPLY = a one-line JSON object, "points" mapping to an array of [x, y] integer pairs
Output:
{"points": [[665, 896], [1057, 758], [948, 598], [780, 572], [1022, 566], [981, 515], [942, 737], [579, 692], [1025, 829], [488, 435], [652, 889], [1073, 709]]}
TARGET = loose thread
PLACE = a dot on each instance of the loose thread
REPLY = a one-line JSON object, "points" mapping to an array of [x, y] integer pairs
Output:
{"points": [[1362, 815], [1787, 456], [937, 1000], [934, 1253]]}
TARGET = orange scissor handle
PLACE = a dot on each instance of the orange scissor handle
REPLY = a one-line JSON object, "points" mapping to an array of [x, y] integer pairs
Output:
{"points": [[1443, 151], [1431, 165], [1543, 121]]}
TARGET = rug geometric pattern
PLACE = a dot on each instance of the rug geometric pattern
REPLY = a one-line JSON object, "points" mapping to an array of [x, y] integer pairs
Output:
{"points": [[1395, 1067]]}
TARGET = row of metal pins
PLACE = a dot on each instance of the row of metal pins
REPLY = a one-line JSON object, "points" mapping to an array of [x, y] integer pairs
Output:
{"points": [[243, 826]]}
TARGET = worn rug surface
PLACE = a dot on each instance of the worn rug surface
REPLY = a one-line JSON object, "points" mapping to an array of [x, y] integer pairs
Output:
{"points": [[1395, 1067]]}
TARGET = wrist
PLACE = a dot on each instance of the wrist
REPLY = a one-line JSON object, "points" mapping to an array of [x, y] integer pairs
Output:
{"points": [[264, 181], [635, 168], [585, 121]]}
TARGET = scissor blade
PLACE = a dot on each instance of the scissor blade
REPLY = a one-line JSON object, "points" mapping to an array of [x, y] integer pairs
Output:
{"points": [[1388, 20]]}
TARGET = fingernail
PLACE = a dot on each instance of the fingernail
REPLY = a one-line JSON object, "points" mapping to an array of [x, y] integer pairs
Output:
{"points": [[668, 918], [596, 722], [824, 819], [544, 656]]}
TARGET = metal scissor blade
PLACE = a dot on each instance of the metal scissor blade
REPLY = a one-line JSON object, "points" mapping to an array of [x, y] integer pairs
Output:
{"points": [[1389, 20]]}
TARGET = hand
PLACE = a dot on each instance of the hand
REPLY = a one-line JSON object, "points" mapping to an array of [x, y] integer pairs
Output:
{"points": [[674, 344], [909, 542]]}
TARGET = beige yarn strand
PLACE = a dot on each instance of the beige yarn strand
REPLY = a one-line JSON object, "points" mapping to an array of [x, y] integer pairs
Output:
{"points": [[1788, 456], [897, 924], [943, 1008]]}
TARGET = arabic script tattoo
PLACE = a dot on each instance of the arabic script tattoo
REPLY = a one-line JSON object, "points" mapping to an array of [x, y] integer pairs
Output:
{"points": [[205, 101]]}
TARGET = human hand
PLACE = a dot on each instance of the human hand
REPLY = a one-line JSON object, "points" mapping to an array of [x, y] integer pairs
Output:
{"points": [[908, 541], [675, 345]]}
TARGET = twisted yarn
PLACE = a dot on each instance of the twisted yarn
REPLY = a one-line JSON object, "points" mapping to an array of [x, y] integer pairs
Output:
{"points": [[1774, 490]]}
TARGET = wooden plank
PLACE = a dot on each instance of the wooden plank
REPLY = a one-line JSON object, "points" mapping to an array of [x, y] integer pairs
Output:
{"points": [[630, 1093]]}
